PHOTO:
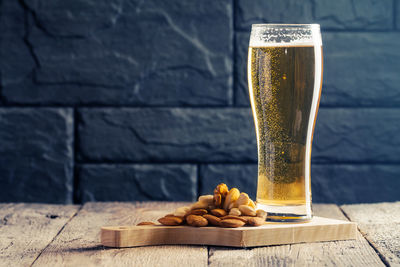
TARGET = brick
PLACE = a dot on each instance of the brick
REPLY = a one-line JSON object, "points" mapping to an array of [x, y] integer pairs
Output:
{"points": [[16, 61], [36, 163], [77, 18], [331, 183], [272, 11], [348, 14], [227, 135], [166, 135], [12, 19], [355, 183], [341, 14], [136, 182], [360, 70], [117, 53], [357, 135], [241, 176], [241, 54]]}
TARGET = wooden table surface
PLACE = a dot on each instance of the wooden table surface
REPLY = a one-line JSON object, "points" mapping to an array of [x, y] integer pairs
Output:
{"points": [[68, 235]]}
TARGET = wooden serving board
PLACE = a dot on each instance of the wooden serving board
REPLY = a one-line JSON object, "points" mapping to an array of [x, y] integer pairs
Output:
{"points": [[272, 233]]}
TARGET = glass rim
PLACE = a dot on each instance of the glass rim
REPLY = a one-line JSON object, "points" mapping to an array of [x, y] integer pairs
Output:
{"points": [[275, 25]]}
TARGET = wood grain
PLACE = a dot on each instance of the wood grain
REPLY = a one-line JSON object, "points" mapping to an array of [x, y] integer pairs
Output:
{"points": [[79, 242], [338, 253], [380, 224], [319, 229], [26, 229]]}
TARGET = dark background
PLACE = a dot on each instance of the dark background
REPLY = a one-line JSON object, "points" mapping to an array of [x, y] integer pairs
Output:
{"points": [[147, 100]]}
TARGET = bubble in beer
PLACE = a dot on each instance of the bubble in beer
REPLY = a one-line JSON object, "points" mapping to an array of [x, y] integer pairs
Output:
{"points": [[282, 87]]}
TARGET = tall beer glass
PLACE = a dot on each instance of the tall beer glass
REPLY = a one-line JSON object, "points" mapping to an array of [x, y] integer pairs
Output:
{"points": [[285, 78]]}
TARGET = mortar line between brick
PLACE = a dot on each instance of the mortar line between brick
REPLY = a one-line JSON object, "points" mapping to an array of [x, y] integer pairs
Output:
{"points": [[121, 162], [2, 98], [374, 247], [75, 185], [234, 62], [58, 233], [198, 173], [27, 29], [127, 107], [394, 14], [313, 12]]}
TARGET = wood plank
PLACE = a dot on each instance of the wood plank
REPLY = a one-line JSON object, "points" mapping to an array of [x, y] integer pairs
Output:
{"points": [[337, 253], [26, 229], [79, 242], [380, 224], [319, 229]]}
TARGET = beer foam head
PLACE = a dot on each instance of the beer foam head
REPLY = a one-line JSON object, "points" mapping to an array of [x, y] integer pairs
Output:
{"points": [[263, 35]]}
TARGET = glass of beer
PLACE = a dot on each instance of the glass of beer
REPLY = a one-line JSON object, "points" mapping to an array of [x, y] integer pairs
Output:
{"points": [[285, 78]]}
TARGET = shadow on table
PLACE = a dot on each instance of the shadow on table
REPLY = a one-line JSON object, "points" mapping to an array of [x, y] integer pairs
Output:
{"points": [[86, 249]]}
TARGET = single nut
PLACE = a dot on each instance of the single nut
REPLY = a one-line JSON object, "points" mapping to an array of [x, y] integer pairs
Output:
{"points": [[262, 214], [199, 212], [209, 199], [218, 212], [199, 205], [255, 221], [232, 205], [242, 200], [235, 211], [213, 220], [232, 223], [240, 218], [247, 210], [181, 211], [232, 196], [145, 223], [170, 220], [252, 204], [245, 218], [221, 189], [211, 207], [197, 221], [217, 200], [172, 215]]}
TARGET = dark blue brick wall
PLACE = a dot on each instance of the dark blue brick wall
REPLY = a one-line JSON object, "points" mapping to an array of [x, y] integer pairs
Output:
{"points": [[137, 182], [36, 162], [166, 135], [147, 100]]}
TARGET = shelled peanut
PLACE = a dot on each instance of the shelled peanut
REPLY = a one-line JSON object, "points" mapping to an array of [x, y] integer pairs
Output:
{"points": [[225, 208]]}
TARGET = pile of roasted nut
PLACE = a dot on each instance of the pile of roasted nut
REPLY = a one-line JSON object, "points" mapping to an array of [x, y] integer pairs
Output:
{"points": [[226, 208]]}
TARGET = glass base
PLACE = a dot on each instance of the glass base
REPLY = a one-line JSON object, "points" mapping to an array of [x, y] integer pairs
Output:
{"points": [[295, 213]]}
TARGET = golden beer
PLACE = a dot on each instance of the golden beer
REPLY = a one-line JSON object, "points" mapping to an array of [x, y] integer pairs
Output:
{"points": [[284, 86]]}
